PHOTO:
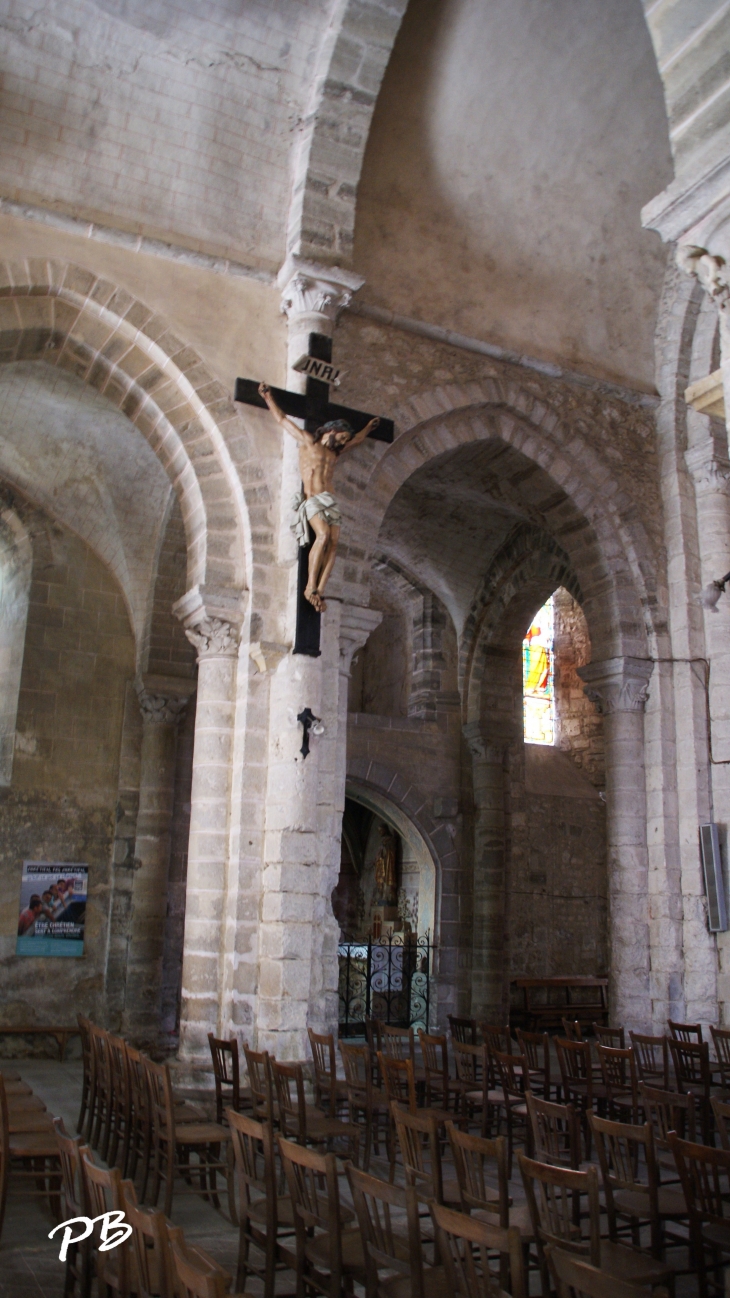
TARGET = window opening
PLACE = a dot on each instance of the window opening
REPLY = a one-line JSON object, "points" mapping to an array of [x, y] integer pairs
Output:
{"points": [[538, 677]]}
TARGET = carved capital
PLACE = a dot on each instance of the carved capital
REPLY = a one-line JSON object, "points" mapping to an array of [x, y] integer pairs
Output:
{"points": [[212, 620], [710, 471], [485, 744], [214, 638], [162, 699], [356, 625], [711, 272], [312, 290], [617, 684]]}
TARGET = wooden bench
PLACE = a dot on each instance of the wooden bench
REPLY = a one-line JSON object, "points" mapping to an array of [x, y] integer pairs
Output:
{"points": [[547, 1001], [27, 1030]]}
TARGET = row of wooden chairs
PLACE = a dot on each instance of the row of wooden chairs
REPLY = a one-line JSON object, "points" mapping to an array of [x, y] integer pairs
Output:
{"points": [[132, 1118], [29, 1157]]}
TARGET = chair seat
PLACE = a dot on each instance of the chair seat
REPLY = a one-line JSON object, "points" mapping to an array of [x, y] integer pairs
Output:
{"points": [[452, 1194], [284, 1211], [18, 1088], [34, 1144], [320, 1127], [24, 1122], [477, 1097], [201, 1133], [353, 1257], [627, 1264], [519, 1217], [25, 1104], [717, 1235], [635, 1203], [9, 1075], [435, 1284], [186, 1111]]}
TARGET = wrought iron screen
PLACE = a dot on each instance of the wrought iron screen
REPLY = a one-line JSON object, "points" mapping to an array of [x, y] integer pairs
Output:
{"points": [[388, 979]]}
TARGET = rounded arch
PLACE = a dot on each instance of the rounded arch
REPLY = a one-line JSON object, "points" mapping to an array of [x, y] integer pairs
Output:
{"points": [[589, 510], [69, 317], [382, 791]]}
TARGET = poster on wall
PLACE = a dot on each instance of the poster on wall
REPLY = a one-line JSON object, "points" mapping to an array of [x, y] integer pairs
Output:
{"points": [[52, 908]]}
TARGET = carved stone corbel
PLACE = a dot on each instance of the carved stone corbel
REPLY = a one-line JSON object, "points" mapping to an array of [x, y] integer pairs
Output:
{"points": [[311, 290], [163, 699], [356, 625], [267, 654], [617, 684], [212, 620]]}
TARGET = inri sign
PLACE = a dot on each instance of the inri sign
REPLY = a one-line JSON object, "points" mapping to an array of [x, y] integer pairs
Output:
{"points": [[321, 370]]}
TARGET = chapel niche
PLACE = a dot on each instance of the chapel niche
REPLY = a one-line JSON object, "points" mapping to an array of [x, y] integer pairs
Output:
{"points": [[377, 894]]}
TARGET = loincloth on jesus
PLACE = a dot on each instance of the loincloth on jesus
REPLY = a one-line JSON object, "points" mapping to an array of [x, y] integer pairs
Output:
{"points": [[324, 503]]}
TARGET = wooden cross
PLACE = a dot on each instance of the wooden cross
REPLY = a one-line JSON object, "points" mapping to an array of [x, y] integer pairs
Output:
{"points": [[315, 408]]}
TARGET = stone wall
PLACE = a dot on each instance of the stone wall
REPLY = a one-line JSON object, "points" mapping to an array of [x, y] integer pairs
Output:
{"points": [[61, 805]]}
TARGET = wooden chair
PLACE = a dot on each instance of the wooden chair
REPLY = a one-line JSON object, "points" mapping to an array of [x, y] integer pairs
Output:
{"points": [[394, 1264], [303, 1123], [575, 1278], [363, 1097], [721, 1042], [77, 1279], [555, 1132], [535, 1048], [139, 1147], [619, 1079], [572, 1029], [86, 1080], [705, 1176], [513, 1074], [691, 1061], [579, 1085], [264, 1216], [229, 1094], [440, 1094], [28, 1160], [99, 1129], [120, 1103], [473, 1073], [103, 1193], [174, 1143], [721, 1114], [687, 1032], [552, 1196], [374, 1039], [463, 1030], [615, 1038], [329, 1256], [496, 1037], [420, 1147], [668, 1111], [622, 1150], [261, 1085], [477, 1162], [152, 1269], [194, 1276], [399, 1081], [651, 1057], [400, 1043], [462, 1239], [330, 1091]]}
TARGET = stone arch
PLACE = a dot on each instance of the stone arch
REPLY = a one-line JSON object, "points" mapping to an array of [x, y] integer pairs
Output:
{"points": [[353, 57], [610, 550], [69, 317]]}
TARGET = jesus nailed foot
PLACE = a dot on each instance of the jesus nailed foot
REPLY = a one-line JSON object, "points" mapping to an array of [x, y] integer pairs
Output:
{"points": [[315, 600]]}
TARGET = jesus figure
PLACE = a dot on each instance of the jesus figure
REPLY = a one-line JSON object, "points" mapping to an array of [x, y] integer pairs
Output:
{"points": [[315, 504]]}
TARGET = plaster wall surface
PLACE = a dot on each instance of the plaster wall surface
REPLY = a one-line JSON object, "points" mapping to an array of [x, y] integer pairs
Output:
{"points": [[496, 199]]}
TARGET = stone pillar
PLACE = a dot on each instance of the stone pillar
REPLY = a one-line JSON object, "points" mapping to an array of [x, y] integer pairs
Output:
{"points": [[490, 989], [619, 687], [212, 622], [305, 796], [161, 703]]}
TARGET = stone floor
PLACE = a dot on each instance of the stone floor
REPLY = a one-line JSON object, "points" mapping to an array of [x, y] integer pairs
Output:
{"points": [[29, 1265]]}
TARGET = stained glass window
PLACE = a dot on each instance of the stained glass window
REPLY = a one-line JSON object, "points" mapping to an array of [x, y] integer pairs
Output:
{"points": [[538, 684]]}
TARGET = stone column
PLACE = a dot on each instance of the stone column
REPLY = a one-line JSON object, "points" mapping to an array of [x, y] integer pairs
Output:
{"points": [[619, 687], [161, 703], [488, 746], [305, 796], [212, 622]]}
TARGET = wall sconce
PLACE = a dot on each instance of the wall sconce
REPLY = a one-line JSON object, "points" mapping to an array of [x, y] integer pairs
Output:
{"points": [[711, 594]]}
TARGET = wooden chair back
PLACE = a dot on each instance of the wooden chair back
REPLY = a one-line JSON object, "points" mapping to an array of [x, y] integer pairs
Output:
{"points": [[721, 1042], [387, 1254], [535, 1048], [624, 1150], [552, 1195], [572, 1029], [420, 1148], [314, 1192], [325, 1071], [576, 1069], [226, 1074], [618, 1071], [434, 1052], [613, 1037], [463, 1240], [399, 1081], [691, 1061], [468, 1063], [651, 1056], [398, 1043], [71, 1149], [98, 1134], [260, 1081], [575, 1278], [513, 1074], [669, 1111], [140, 1121], [87, 1077], [477, 1162], [704, 1173], [687, 1032], [193, 1279], [721, 1111], [374, 1035], [153, 1264], [555, 1132], [255, 1161], [358, 1068], [103, 1193], [119, 1102], [290, 1100], [463, 1030], [496, 1037]]}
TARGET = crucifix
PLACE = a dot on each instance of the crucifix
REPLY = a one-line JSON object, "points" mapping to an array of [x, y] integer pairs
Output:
{"points": [[328, 430]]}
